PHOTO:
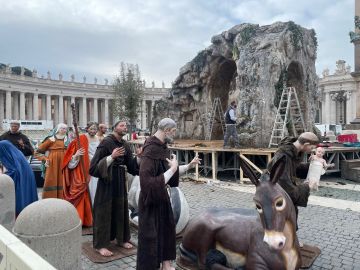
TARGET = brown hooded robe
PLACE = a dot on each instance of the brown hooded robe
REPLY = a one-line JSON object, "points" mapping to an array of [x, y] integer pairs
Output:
{"points": [[157, 237], [110, 212], [294, 170]]}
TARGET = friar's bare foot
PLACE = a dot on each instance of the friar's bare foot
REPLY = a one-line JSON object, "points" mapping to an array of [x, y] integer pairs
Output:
{"points": [[127, 245], [170, 268], [166, 265], [105, 252]]}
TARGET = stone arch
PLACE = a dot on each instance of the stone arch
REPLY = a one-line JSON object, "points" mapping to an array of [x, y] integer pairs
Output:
{"points": [[221, 82], [296, 78]]}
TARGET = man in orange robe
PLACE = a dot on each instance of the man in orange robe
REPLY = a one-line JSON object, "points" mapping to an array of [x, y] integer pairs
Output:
{"points": [[76, 174]]}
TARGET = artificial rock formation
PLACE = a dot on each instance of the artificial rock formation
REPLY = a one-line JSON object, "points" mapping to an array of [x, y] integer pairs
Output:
{"points": [[250, 64]]}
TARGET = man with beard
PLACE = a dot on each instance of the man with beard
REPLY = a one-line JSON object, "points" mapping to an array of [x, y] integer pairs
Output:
{"points": [[293, 149], [157, 238], [78, 184], [18, 139], [101, 132], [112, 159]]}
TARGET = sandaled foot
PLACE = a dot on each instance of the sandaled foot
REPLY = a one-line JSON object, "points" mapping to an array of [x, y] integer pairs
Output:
{"points": [[127, 245], [104, 252]]}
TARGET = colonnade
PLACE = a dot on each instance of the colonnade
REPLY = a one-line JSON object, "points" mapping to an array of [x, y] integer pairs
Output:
{"points": [[56, 108]]}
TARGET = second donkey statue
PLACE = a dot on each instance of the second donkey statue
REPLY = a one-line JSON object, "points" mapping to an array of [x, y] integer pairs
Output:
{"points": [[244, 239]]}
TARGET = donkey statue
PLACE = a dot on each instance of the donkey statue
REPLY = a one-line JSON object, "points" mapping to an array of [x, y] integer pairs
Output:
{"points": [[244, 239]]}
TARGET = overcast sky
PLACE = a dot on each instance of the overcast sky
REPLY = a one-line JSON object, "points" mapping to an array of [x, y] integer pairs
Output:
{"points": [[92, 37]]}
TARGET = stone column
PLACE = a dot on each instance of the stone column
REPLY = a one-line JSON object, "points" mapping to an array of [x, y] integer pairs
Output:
{"points": [[355, 100], [43, 108], [56, 111], [101, 111], [2, 108], [29, 107], [332, 113], [143, 114], [15, 105], [356, 41], [83, 113], [69, 111], [149, 114], [48, 107], [349, 116], [106, 112], [89, 110], [22, 106], [8, 106], [36, 107], [356, 74], [61, 109], [95, 110], [326, 109]]}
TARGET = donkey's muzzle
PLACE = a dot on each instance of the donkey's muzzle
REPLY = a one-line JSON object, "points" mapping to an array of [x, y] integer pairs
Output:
{"points": [[275, 240]]}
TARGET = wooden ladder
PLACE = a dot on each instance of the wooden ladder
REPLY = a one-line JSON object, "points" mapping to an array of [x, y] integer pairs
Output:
{"points": [[288, 112], [216, 111]]}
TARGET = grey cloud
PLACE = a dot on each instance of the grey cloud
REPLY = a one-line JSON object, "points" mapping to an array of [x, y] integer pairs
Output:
{"points": [[93, 37]]}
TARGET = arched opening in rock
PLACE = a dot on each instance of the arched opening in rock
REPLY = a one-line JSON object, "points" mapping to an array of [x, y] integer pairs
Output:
{"points": [[295, 78], [222, 81]]}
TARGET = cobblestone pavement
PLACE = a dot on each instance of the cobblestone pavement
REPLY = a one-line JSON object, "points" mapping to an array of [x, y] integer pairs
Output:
{"points": [[335, 231]]}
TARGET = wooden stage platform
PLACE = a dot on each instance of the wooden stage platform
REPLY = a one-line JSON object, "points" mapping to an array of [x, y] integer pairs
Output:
{"points": [[215, 159]]}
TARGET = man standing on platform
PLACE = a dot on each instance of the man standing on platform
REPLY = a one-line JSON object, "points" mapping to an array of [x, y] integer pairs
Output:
{"points": [[101, 132], [18, 139], [157, 242], [293, 150], [112, 159], [78, 184], [230, 126]]}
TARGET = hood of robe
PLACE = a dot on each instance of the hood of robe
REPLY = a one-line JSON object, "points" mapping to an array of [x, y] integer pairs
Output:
{"points": [[155, 149]]}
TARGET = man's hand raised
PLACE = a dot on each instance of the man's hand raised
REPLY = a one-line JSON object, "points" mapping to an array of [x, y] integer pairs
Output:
{"points": [[173, 163]]}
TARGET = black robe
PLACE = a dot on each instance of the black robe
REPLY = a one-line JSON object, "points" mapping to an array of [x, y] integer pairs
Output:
{"points": [[110, 210], [27, 149], [294, 170], [157, 235]]}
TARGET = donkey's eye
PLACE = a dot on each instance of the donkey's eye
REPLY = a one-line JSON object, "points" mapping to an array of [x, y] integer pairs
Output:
{"points": [[280, 204], [259, 208]]}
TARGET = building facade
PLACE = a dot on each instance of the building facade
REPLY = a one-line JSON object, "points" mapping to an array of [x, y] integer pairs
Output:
{"points": [[32, 98], [338, 101]]}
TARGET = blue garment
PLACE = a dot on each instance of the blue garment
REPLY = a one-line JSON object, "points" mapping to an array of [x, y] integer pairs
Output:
{"points": [[19, 170]]}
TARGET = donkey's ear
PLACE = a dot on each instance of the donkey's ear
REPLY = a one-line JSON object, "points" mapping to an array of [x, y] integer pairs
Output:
{"points": [[277, 169], [249, 172]]}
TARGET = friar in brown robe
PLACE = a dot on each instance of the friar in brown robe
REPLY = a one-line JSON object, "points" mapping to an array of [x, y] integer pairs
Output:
{"points": [[293, 150], [110, 213], [157, 237]]}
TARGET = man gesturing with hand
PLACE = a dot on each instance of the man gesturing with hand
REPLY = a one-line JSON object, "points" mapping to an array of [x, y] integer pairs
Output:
{"points": [[112, 159], [158, 170]]}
